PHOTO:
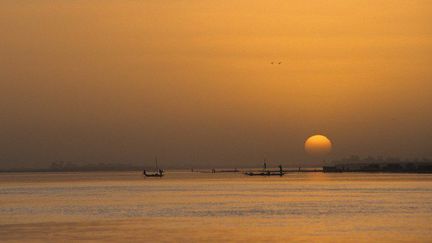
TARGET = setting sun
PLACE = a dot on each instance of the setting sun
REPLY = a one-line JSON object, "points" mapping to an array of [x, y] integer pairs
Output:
{"points": [[318, 145]]}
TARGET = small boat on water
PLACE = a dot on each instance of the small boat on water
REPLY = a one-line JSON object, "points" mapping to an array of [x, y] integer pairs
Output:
{"points": [[157, 173], [266, 172]]}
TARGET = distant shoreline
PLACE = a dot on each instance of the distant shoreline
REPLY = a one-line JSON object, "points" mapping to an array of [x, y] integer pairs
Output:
{"points": [[392, 167], [325, 169], [61, 171]]}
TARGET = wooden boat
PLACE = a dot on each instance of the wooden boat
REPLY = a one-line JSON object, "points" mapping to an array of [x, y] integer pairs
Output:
{"points": [[266, 172], [157, 173]]}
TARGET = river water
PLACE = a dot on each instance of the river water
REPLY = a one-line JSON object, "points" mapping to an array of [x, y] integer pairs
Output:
{"points": [[196, 207]]}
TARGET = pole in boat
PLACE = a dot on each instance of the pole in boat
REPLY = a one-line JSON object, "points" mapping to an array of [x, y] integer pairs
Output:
{"points": [[157, 173]]}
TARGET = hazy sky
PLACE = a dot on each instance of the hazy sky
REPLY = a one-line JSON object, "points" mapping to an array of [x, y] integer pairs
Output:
{"points": [[191, 81]]}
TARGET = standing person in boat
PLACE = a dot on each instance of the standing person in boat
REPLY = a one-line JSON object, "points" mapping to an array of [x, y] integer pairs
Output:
{"points": [[280, 169]]}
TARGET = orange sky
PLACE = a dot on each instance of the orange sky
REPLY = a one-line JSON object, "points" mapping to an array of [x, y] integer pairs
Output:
{"points": [[191, 81]]}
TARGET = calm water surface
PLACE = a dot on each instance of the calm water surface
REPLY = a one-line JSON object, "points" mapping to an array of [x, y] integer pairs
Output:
{"points": [[183, 206]]}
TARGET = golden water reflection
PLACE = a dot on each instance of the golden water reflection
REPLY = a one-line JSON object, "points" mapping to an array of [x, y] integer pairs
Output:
{"points": [[215, 207]]}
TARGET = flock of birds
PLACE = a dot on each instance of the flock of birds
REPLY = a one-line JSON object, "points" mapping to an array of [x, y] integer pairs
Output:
{"points": [[277, 63]]}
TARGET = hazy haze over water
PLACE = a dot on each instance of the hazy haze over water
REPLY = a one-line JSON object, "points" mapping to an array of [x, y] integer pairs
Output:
{"points": [[192, 81]]}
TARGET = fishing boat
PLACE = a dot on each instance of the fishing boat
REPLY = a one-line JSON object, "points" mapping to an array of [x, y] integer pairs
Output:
{"points": [[157, 173], [266, 172]]}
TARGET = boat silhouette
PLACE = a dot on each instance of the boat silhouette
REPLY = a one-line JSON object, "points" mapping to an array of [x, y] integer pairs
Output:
{"points": [[266, 172], [157, 173]]}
